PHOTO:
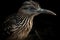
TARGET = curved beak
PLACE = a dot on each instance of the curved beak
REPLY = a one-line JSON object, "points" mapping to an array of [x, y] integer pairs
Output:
{"points": [[39, 10]]}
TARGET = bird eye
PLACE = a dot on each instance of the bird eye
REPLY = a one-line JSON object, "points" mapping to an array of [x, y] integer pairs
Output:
{"points": [[30, 8]]}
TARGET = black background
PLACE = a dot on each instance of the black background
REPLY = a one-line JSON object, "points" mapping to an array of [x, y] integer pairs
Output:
{"points": [[9, 6], [46, 24]]}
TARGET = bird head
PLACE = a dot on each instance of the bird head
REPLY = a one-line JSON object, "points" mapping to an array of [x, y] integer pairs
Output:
{"points": [[33, 8], [29, 7]]}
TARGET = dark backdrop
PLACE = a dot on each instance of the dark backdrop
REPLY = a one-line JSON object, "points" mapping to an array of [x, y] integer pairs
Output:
{"points": [[46, 24], [8, 6]]}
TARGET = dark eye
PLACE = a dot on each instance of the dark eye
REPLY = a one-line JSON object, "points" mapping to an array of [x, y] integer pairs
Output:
{"points": [[32, 9]]}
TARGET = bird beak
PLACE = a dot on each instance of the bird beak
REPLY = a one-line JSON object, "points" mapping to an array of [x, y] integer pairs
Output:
{"points": [[39, 10]]}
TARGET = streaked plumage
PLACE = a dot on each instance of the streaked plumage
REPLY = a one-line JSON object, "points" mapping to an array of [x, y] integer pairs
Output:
{"points": [[18, 25]]}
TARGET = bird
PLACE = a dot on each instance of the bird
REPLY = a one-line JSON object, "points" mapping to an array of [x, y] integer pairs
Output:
{"points": [[18, 25]]}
